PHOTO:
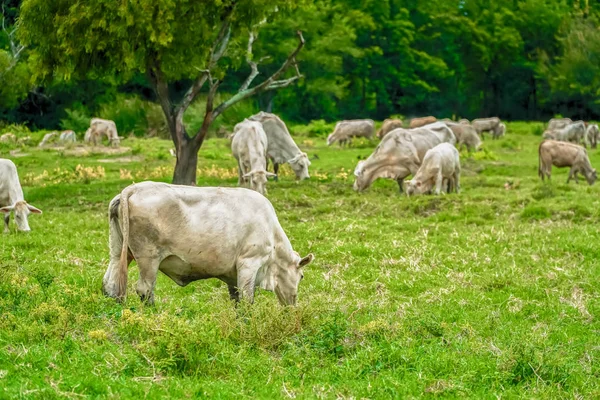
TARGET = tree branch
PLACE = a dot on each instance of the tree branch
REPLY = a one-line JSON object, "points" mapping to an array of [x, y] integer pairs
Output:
{"points": [[218, 49], [15, 49], [253, 65], [270, 83]]}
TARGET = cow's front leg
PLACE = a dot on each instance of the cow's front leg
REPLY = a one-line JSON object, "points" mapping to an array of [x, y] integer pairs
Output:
{"points": [[6, 222], [276, 171], [246, 277], [148, 267], [438, 183]]}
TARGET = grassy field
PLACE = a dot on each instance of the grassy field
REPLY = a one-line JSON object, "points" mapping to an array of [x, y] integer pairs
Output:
{"points": [[490, 293]]}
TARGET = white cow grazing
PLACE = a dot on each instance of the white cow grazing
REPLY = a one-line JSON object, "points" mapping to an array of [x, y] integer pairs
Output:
{"points": [[102, 127], [249, 147], [11, 197], [344, 131], [191, 233], [281, 148], [465, 135], [440, 165], [488, 125], [67, 137]]}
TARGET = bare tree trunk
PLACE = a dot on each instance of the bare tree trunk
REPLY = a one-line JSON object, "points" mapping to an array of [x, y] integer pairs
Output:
{"points": [[187, 163]]}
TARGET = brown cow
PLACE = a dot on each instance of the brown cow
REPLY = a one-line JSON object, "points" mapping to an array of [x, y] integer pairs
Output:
{"points": [[564, 154]]}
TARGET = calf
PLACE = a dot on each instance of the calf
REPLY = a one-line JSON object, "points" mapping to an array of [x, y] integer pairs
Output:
{"points": [[11, 197], [441, 164], [563, 154], [249, 147]]}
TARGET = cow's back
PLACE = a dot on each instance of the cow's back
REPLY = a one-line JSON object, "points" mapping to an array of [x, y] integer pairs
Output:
{"points": [[10, 187], [208, 226]]}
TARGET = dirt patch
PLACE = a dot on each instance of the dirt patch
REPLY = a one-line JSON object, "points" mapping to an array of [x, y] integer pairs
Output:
{"points": [[83, 151], [18, 153], [121, 159]]}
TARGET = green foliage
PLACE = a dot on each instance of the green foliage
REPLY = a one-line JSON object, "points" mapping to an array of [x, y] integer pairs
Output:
{"points": [[76, 120], [318, 128]]}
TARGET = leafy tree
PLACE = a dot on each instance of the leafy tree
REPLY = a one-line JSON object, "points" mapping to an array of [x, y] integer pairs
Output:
{"points": [[170, 41]]}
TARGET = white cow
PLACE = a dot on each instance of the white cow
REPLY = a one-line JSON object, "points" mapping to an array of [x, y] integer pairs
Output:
{"points": [[281, 148], [11, 197], [67, 137], [191, 233], [440, 165], [492, 125], [249, 147], [102, 127], [398, 155]]}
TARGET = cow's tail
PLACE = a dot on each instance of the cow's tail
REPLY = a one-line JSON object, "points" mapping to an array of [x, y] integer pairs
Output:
{"points": [[119, 237]]}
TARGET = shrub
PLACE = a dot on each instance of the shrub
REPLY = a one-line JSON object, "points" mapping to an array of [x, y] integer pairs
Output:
{"points": [[316, 128], [129, 114], [76, 120]]}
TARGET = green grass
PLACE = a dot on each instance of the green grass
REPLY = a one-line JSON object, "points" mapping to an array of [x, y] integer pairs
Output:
{"points": [[490, 293]]}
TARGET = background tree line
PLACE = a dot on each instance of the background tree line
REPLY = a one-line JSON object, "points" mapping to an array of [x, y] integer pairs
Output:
{"points": [[517, 59]]}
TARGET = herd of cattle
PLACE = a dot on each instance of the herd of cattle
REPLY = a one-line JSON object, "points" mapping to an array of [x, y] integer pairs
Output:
{"points": [[99, 128], [233, 234], [424, 150]]}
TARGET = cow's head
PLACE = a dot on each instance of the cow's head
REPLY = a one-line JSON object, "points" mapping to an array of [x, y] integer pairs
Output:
{"points": [[288, 279], [258, 180], [416, 187], [21, 210], [330, 140], [591, 177], [116, 141], [300, 165], [361, 181]]}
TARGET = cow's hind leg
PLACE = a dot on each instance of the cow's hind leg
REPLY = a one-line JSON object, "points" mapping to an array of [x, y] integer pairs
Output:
{"points": [[145, 287], [276, 171], [571, 174]]}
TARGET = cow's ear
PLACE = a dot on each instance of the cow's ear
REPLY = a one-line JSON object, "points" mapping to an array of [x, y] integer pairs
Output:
{"points": [[33, 209], [306, 260], [7, 209]]}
